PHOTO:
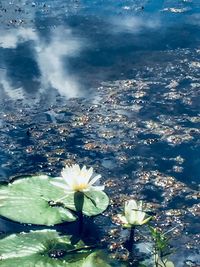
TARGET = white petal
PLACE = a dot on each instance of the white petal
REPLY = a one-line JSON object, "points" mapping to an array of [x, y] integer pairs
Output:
{"points": [[141, 216], [131, 217], [98, 188], [66, 172], [133, 212], [61, 185], [76, 178], [83, 177], [122, 219], [130, 205], [69, 181], [84, 168], [133, 204], [140, 205], [76, 168], [88, 174], [70, 175], [93, 180], [90, 171]]}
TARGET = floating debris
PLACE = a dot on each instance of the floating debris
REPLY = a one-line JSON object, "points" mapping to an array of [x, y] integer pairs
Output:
{"points": [[176, 10]]}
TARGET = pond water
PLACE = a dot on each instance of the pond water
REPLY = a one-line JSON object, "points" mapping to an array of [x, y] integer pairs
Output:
{"points": [[113, 85]]}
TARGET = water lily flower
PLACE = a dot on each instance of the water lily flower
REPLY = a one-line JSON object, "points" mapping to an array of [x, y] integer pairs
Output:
{"points": [[134, 214], [75, 179]]}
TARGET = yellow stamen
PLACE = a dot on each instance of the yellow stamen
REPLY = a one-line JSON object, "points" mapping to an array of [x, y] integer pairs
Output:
{"points": [[80, 187]]}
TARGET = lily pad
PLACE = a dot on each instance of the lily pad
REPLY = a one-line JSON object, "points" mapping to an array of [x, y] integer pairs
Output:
{"points": [[93, 202], [35, 200], [99, 259], [28, 200], [45, 248]]}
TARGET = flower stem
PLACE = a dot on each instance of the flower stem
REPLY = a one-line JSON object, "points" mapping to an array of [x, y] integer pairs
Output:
{"points": [[80, 225], [131, 242]]}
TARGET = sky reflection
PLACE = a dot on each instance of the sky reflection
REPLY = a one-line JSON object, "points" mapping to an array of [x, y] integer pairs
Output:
{"points": [[135, 24], [62, 48], [49, 57], [52, 60]]}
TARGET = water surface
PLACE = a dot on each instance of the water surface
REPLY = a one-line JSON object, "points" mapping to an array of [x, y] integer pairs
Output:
{"points": [[109, 84]]}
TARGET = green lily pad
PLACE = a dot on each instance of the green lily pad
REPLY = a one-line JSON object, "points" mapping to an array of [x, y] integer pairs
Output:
{"points": [[99, 259], [45, 248], [28, 200], [35, 200], [93, 202]]}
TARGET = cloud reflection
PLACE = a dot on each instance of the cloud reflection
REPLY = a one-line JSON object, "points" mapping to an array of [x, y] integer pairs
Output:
{"points": [[12, 38], [8, 90], [51, 58], [134, 24]]}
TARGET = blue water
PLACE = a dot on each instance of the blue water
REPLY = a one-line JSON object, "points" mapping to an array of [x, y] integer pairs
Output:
{"points": [[111, 84]]}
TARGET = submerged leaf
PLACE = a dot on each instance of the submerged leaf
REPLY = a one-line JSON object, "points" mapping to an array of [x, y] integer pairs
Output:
{"points": [[97, 259], [46, 248]]}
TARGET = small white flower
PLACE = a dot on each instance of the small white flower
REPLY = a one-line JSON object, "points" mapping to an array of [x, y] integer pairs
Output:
{"points": [[74, 179], [134, 214]]}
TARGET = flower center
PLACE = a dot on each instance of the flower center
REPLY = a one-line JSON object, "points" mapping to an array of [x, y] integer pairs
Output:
{"points": [[80, 187]]}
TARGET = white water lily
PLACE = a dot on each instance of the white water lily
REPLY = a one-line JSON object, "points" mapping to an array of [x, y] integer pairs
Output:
{"points": [[134, 214], [75, 179]]}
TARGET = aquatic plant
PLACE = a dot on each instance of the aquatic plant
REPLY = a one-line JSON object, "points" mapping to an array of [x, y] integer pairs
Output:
{"points": [[75, 179], [48, 248], [47, 201], [80, 182], [134, 214], [162, 248]]}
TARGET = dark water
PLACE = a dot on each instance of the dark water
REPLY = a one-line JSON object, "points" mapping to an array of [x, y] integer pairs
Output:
{"points": [[111, 84]]}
